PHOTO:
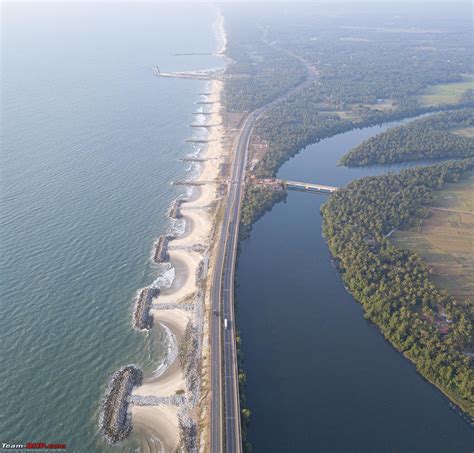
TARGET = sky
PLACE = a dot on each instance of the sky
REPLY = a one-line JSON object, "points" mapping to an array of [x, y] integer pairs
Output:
{"points": [[238, 1]]}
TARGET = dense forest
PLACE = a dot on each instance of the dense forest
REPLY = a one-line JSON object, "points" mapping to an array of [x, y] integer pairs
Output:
{"points": [[426, 138], [381, 56], [257, 73], [394, 285], [394, 53]]}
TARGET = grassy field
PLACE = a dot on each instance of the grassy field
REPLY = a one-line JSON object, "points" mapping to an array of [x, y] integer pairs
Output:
{"points": [[446, 239], [447, 93]]}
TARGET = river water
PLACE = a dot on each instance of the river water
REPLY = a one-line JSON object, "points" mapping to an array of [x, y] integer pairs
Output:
{"points": [[91, 141], [320, 378]]}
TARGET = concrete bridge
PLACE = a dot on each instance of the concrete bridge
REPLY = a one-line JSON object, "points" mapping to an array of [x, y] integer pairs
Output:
{"points": [[307, 186]]}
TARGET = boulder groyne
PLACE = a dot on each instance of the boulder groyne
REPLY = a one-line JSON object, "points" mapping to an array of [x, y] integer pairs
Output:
{"points": [[160, 254], [114, 420], [175, 210], [142, 320], [152, 400]]}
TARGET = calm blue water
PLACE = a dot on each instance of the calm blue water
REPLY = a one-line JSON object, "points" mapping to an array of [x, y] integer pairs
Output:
{"points": [[90, 146], [320, 378]]}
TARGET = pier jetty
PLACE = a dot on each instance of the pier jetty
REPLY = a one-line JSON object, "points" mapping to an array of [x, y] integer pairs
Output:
{"points": [[161, 249], [191, 140], [211, 74], [114, 420], [141, 318], [194, 159], [190, 183], [204, 125]]}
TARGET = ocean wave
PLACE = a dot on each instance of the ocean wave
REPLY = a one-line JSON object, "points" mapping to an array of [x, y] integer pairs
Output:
{"points": [[199, 134], [165, 277], [189, 191], [178, 227], [171, 352], [194, 170], [200, 120]]}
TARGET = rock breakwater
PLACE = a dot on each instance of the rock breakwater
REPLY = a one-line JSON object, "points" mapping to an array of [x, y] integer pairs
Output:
{"points": [[175, 210], [160, 254], [114, 420], [141, 319]]}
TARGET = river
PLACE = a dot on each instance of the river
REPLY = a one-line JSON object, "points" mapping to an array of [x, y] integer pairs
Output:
{"points": [[320, 378]]}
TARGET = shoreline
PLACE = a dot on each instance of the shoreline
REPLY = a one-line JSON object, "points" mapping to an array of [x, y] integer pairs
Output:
{"points": [[159, 426]]}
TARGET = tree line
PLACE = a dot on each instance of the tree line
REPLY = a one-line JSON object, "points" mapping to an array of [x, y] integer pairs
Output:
{"points": [[425, 138]]}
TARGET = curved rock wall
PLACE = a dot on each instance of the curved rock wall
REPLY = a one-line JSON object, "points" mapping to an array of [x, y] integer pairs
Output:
{"points": [[114, 420]]}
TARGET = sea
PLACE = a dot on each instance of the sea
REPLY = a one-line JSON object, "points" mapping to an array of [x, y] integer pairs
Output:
{"points": [[90, 146]]}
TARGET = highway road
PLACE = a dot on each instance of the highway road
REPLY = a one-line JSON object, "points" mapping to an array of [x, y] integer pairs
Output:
{"points": [[225, 412], [225, 406]]}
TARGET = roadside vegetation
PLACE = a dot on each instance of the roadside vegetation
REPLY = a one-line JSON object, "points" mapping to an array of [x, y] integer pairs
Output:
{"points": [[425, 138], [257, 201], [394, 285], [245, 412]]}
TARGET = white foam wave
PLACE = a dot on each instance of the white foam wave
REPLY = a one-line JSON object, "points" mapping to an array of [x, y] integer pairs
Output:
{"points": [[171, 353], [178, 227], [189, 191], [194, 170], [165, 278], [196, 151], [200, 119]]}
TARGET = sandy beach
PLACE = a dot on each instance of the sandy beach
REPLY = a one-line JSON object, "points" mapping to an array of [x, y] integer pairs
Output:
{"points": [[159, 424]]}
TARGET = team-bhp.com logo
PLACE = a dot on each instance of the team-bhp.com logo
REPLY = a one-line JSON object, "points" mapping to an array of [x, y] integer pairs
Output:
{"points": [[33, 446]]}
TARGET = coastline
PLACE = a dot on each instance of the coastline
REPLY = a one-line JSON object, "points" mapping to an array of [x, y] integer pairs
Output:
{"points": [[190, 253]]}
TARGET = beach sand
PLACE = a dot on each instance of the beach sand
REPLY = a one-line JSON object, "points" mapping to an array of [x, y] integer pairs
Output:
{"points": [[159, 424]]}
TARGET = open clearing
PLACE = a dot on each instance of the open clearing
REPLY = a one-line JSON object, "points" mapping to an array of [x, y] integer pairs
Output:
{"points": [[447, 93], [446, 240], [465, 132]]}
